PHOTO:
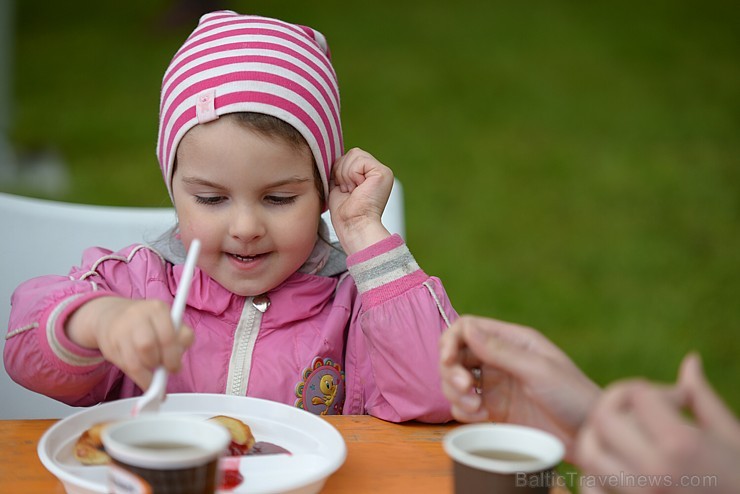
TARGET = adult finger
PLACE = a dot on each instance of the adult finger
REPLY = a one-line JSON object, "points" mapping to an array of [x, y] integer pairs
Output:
{"points": [[657, 410], [708, 408], [463, 413], [595, 460], [511, 356], [457, 378], [594, 450], [617, 429], [451, 342], [523, 337]]}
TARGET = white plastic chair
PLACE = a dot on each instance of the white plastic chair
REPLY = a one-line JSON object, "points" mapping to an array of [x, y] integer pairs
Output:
{"points": [[48, 237]]}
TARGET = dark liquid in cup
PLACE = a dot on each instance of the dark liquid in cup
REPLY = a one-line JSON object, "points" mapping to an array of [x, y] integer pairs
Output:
{"points": [[497, 454]]}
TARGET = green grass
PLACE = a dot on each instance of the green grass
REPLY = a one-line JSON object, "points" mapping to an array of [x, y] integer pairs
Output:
{"points": [[568, 165]]}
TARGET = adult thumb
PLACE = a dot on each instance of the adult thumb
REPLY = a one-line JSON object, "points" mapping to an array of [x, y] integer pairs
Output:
{"points": [[708, 408]]}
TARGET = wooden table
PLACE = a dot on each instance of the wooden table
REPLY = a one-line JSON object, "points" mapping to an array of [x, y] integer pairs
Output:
{"points": [[381, 457]]}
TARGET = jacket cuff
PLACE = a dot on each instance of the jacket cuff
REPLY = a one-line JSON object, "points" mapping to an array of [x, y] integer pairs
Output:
{"points": [[384, 271], [72, 355]]}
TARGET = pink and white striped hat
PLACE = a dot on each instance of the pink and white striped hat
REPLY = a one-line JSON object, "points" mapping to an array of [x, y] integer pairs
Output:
{"points": [[243, 63]]}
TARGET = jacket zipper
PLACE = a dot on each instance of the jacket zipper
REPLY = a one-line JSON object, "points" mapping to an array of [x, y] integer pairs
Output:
{"points": [[241, 353]]}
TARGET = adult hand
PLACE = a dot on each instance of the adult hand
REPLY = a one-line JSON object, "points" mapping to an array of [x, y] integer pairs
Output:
{"points": [[137, 336], [525, 378], [359, 192], [639, 432]]}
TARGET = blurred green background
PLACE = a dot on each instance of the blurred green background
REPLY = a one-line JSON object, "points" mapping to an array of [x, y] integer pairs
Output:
{"points": [[572, 166]]}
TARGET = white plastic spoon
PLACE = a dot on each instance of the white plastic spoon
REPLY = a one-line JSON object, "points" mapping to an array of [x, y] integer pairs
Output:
{"points": [[151, 400]]}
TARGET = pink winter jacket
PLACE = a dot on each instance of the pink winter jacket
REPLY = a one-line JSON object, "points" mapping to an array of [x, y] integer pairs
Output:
{"points": [[363, 343]]}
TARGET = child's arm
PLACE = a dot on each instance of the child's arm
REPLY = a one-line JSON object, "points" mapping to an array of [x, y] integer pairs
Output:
{"points": [[40, 355], [394, 358], [392, 348], [359, 192]]}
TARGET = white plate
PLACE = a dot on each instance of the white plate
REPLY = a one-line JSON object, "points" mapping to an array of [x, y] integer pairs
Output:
{"points": [[317, 448]]}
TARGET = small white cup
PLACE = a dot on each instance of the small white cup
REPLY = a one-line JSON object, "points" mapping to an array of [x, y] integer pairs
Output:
{"points": [[502, 458], [164, 454]]}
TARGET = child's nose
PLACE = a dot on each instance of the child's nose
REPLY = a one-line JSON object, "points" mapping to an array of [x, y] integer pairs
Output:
{"points": [[246, 224]]}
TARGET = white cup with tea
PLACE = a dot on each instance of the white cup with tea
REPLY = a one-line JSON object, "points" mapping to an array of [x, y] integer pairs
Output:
{"points": [[162, 453], [502, 458]]}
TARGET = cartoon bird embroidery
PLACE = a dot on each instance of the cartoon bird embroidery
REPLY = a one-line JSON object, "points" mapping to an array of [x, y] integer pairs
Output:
{"points": [[328, 388]]}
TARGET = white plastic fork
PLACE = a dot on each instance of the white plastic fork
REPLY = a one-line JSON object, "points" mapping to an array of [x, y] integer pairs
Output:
{"points": [[152, 399]]}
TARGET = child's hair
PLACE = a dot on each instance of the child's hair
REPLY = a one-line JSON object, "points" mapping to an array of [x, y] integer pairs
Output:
{"points": [[234, 63]]}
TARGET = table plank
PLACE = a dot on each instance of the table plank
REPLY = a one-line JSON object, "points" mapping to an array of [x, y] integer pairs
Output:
{"points": [[20, 467], [389, 458], [381, 457]]}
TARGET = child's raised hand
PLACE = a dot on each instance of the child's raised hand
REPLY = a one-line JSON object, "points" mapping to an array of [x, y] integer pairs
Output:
{"points": [[359, 192], [136, 336]]}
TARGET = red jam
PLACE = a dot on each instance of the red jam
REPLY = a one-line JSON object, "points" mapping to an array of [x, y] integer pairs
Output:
{"points": [[230, 476], [236, 449]]}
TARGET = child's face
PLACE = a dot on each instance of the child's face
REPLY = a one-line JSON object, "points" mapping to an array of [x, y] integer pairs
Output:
{"points": [[250, 199]]}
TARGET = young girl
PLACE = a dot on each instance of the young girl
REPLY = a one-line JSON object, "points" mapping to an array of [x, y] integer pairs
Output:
{"points": [[250, 147]]}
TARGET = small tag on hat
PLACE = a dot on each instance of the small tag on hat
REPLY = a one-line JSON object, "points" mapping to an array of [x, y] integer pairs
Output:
{"points": [[205, 106]]}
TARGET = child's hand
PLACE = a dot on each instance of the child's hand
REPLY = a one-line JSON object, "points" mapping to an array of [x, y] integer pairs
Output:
{"points": [[359, 192], [136, 336]]}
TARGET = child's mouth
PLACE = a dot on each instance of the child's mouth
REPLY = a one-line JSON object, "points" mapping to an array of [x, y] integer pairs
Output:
{"points": [[246, 258]]}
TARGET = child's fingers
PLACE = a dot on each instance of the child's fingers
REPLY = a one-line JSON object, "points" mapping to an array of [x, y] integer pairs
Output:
{"points": [[337, 169], [172, 352], [132, 365], [351, 170], [143, 378], [157, 340], [154, 342], [185, 337], [340, 171], [145, 347]]}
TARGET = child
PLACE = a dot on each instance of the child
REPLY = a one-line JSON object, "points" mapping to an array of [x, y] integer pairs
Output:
{"points": [[249, 131]]}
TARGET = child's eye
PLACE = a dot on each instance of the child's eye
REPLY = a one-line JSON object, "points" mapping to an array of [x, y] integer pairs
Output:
{"points": [[280, 200], [208, 200]]}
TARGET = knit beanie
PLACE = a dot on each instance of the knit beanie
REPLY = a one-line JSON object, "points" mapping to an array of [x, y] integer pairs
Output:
{"points": [[244, 63]]}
